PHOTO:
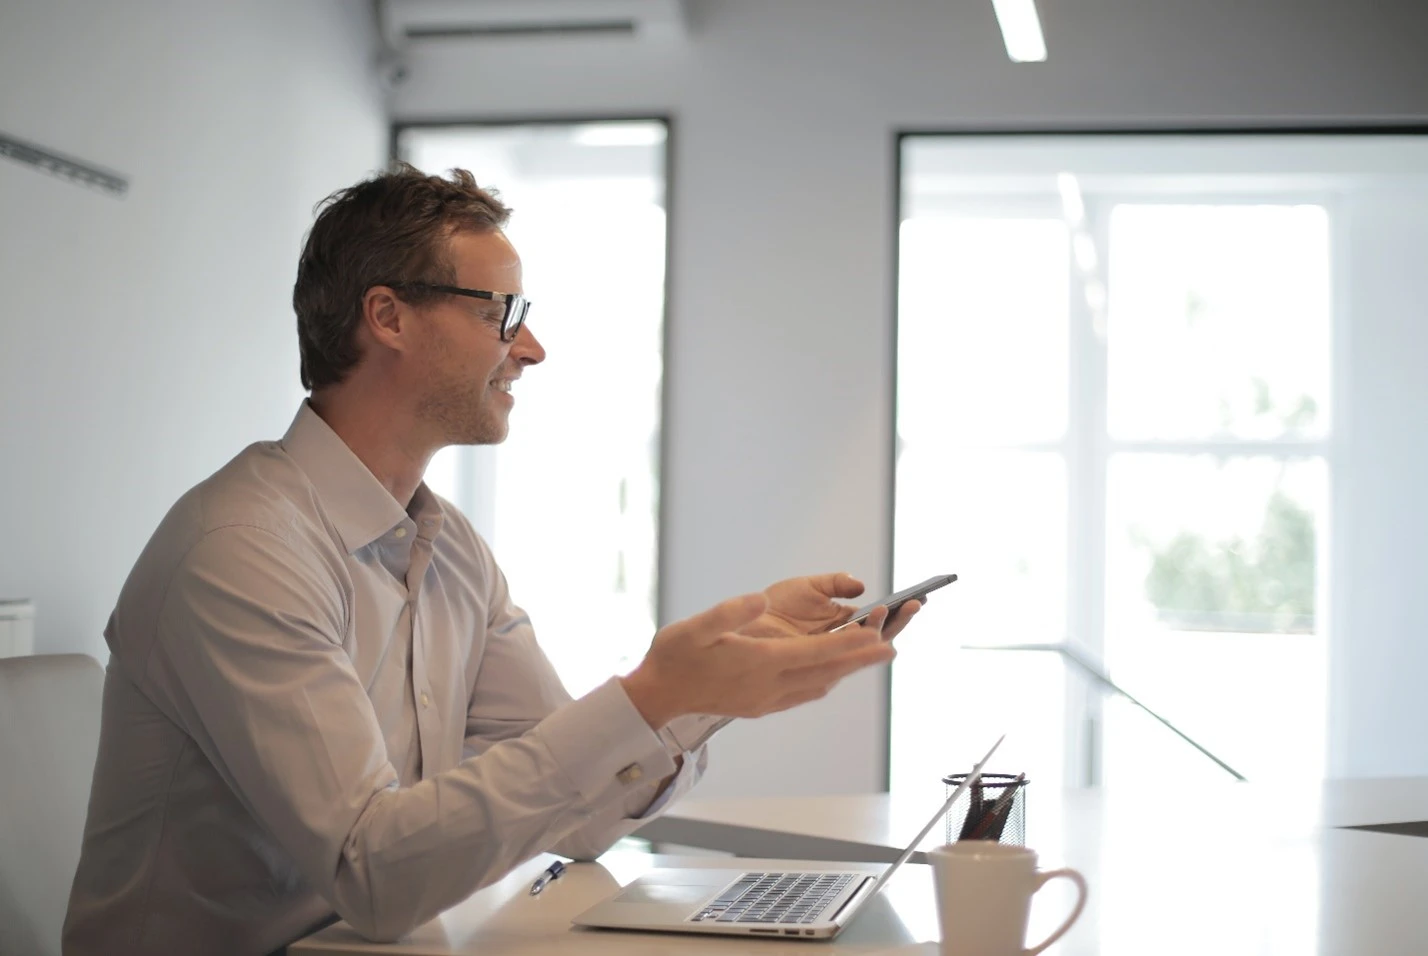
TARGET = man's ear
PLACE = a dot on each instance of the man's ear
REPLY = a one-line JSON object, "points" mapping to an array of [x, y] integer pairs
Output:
{"points": [[384, 316]]}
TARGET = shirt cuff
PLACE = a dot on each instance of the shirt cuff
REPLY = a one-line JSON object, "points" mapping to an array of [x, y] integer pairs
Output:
{"points": [[604, 746], [641, 807], [688, 733]]}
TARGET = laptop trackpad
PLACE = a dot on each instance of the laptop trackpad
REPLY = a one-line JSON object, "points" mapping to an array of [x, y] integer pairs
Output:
{"points": [[662, 893]]}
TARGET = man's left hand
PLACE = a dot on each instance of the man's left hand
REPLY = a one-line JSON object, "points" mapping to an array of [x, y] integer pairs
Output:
{"points": [[809, 605]]}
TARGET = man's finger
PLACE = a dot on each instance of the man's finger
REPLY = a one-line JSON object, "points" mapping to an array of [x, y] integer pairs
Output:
{"points": [[805, 696], [810, 649], [877, 618], [839, 584], [725, 616], [830, 672], [900, 620]]}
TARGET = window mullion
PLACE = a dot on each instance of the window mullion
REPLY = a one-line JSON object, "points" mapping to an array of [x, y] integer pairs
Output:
{"points": [[1086, 502]]}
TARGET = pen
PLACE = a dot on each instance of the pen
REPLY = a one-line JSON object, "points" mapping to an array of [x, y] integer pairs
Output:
{"points": [[550, 874], [998, 813], [974, 811]]}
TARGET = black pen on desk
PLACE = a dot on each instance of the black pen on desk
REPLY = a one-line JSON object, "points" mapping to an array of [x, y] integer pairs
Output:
{"points": [[549, 875]]}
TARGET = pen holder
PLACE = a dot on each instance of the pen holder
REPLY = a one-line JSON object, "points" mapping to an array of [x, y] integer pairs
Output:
{"points": [[984, 814]]}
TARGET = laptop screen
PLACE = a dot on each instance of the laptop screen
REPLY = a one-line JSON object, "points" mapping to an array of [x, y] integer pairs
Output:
{"points": [[956, 795]]}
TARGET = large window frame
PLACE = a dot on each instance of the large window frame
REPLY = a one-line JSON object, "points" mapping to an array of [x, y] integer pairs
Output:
{"points": [[1087, 448]]}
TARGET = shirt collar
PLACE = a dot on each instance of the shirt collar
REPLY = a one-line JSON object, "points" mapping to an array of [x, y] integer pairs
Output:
{"points": [[360, 508]]}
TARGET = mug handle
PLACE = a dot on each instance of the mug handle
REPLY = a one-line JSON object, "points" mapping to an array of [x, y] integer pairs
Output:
{"points": [[1041, 880]]}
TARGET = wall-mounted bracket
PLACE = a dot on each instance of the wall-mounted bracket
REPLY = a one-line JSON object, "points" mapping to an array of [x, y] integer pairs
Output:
{"points": [[65, 167]]}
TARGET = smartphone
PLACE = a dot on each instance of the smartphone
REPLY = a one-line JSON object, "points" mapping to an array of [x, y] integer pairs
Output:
{"points": [[895, 601]]}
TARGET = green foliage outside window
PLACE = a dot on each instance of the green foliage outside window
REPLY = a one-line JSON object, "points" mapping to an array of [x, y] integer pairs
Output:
{"points": [[1263, 585]]}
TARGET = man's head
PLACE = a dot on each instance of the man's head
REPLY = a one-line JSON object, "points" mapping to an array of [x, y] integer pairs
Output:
{"points": [[367, 301]]}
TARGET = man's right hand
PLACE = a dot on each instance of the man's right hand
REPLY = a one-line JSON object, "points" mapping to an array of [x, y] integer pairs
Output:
{"points": [[701, 666]]}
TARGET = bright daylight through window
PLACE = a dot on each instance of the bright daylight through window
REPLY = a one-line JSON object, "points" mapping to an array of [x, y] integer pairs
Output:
{"points": [[569, 501], [1115, 366]]}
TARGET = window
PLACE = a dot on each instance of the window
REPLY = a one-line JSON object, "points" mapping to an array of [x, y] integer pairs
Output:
{"points": [[1114, 409], [1218, 342], [569, 502]]}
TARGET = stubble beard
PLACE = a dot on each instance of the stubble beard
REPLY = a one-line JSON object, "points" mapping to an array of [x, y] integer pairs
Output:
{"points": [[464, 415]]}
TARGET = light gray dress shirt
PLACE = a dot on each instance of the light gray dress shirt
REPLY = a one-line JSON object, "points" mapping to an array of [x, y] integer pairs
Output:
{"points": [[321, 702]]}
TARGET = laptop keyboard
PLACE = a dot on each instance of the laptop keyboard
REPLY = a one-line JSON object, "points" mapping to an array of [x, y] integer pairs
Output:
{"points": [[776, 898]]}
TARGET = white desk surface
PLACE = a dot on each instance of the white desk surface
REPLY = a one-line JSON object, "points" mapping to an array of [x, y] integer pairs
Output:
{"points": [[506, 919], [1238, 870], [876, 827]]}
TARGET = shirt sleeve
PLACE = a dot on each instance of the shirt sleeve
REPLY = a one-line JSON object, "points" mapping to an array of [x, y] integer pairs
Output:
{"points": [[692, 732], [517, 689], [248, 660]]}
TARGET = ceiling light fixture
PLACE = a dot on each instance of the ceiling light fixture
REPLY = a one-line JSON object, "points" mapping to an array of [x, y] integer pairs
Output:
{"points": [[1021, 30]]}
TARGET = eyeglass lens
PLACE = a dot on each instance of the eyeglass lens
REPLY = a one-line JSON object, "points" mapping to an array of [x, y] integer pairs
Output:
{"points": [[516, 308]]}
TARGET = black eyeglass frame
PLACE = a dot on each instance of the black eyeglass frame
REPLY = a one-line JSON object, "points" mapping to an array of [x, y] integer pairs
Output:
{"points": [[516, 304]]}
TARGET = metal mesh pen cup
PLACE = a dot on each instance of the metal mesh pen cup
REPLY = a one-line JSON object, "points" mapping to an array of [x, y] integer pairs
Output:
{"points": [[979, 816]]}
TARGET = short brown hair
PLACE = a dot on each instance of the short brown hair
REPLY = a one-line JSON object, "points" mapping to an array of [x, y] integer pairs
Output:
{"points": [[390, 228]]}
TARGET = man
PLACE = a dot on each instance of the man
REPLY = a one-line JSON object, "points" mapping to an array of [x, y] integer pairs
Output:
{"points": [[321, 701]]}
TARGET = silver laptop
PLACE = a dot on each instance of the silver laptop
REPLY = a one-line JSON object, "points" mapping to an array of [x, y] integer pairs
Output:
{"points": [[788, 903]]}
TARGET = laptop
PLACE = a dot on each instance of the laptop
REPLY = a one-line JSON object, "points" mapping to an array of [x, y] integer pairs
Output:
{"points": [[787, 903]]}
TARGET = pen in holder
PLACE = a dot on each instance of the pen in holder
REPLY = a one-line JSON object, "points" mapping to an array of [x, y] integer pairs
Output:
{"points": [[995, 809]]}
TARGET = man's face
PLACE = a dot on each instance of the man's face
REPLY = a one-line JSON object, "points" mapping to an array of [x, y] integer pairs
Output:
{"points": [[465, 371]]}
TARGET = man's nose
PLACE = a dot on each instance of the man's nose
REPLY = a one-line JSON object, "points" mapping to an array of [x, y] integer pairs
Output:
{"points": [[526, 348]]}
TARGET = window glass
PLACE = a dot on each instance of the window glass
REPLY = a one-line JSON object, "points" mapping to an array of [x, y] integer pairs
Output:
{"points": [[1114, 358], [1212, 593], [1219, 321], [569, 502], [982, 339]]}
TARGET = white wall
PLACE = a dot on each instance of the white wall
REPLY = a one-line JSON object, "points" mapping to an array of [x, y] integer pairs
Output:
{"points": [[1379, 659], [779, 367], [145, 340]]}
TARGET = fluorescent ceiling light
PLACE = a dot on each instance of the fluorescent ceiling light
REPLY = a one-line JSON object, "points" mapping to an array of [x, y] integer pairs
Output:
{"points": [[1021, 30]]}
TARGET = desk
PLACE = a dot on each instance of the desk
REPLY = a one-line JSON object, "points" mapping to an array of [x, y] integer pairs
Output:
{"points": [[505, 919], [1233, 871], [875, 827]]}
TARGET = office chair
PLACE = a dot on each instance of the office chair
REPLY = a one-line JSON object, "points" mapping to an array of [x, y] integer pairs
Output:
{"points": [[49, 735]]}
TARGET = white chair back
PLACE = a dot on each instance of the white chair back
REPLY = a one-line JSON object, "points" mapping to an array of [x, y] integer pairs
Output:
{"points": [[49, 735]]}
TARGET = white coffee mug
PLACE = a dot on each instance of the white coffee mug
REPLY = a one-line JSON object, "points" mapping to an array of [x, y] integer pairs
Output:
{"points": [[984, 891]]}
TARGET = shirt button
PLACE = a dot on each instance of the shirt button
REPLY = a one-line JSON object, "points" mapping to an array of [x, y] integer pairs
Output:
{"points": [[630, 774], [400, 533], [425, 699]]}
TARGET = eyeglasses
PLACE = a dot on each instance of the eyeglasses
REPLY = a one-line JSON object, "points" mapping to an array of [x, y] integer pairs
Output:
{"points": [[516, 305]]}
